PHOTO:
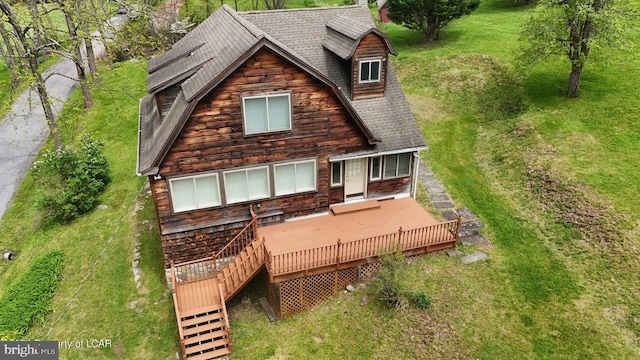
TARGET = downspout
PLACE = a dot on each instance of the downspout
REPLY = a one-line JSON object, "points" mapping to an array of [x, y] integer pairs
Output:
{"points": [[416, 161]]}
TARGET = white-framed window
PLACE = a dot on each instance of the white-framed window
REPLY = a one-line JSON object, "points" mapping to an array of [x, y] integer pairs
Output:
{"points": [[375, 168], [195, 192], [336, 173], [296, 177], [266, 113], [397, 165], [369, 70], [246, 184]]}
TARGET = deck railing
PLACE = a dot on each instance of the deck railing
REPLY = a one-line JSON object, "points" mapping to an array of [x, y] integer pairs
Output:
{"points": [[209, 266], [331, 255]]}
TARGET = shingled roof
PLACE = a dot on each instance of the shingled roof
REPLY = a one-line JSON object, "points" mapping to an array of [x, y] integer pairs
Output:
{"points": [[216, 47]]}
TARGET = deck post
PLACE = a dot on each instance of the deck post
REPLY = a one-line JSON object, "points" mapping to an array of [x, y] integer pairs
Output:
{"points": [[338, 255], [458, 228]]}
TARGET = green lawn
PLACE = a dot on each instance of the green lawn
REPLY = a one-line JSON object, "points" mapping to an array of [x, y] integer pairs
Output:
{"points": [[555, 187]]}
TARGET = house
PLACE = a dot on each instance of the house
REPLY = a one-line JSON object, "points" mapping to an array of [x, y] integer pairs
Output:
{"points": [[383, 10], [256, 119]]}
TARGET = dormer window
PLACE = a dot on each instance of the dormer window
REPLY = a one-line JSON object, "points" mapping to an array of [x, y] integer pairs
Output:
{"points": [[266, 113], [369, 71]]}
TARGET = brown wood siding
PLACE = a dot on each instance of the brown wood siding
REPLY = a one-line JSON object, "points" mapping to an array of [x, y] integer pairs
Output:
{"points": [[336, 195], [371, 46], [388, 187], [213, 140]]}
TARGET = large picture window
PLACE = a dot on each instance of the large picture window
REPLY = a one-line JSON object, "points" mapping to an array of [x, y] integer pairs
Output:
{"points": [[397, 165], [196, 192], [369, 71], [295, 177], [245, 185], [266, 113]]}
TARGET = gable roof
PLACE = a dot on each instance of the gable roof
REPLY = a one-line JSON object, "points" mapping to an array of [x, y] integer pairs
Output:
{"points": [[219, 45], [344, 35]]}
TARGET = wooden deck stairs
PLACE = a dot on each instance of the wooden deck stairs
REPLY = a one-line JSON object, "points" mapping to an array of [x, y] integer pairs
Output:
{"points": [[201, 289]]}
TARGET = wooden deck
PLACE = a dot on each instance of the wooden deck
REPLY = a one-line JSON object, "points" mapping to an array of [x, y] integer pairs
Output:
{"points": [[352, 234], [364, 221], [192, 296]]}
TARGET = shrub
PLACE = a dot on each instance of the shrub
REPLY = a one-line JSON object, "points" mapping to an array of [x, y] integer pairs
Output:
{"points": [[420, 299], [134, 40], [69, 181], [28, 299], [387, 283]]}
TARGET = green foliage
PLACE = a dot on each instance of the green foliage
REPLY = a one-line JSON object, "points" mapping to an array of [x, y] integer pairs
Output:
{"points": [[134, 40], [387, 283], [429, 16], [574, 30], [420, 299], [28, 299], [502, 95], [70, 180]]}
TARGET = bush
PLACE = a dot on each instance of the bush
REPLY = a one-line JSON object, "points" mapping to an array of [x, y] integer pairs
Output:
{"points": [[28, 299], [502, 95], [420, 299], [387, 283], [69, 181], [134, 40]]}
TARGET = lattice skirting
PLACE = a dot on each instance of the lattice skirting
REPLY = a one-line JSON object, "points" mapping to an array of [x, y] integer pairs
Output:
{"points": [[290, 297]]}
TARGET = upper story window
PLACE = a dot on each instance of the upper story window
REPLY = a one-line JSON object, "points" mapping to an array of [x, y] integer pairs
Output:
{"points": [[195, 192], [245, 185], [369, 71], [397, 165], [295, 177], [266, 113]]}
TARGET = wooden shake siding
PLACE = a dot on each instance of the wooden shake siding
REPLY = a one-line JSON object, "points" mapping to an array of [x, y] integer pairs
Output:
{"points": [[388, 187], [213, 140], [371, 46]]}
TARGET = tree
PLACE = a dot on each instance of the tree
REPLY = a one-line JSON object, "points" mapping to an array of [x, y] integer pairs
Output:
{"points": [[274, 4], [571, 28], [429, 16], [30, 52]]}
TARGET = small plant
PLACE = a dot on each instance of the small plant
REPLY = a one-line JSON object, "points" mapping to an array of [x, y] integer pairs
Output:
{"points": [[28, 299], [68, 181], [420, 300], [387, 282]]}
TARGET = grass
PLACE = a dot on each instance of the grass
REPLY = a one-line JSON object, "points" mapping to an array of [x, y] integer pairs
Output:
{"points": [[551, 289]]}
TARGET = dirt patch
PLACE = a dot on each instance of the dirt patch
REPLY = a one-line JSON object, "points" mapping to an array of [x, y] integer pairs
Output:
{"points": [[592, 218]]}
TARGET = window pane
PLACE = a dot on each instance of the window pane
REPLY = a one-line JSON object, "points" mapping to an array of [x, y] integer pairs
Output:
{"points": [[375, 70], [255, 113], [364, 71], [207, 191], [183, 194], [403, 164], [258, 185], [305, 176], [235, 186], [390, 162], [375, 168], [279, 113], [285, 179], [336, 173]]}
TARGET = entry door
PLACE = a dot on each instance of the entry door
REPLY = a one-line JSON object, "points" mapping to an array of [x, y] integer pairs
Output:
{"points": [[355, 177]]}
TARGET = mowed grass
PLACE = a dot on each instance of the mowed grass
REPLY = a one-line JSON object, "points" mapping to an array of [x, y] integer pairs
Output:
{"points": [[93, 299], [547, 291]]}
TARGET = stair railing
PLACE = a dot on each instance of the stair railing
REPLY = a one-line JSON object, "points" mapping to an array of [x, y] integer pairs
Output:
{"points": [[238, 243]]}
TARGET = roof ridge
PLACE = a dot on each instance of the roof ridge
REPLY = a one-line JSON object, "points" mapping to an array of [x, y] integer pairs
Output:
{"points": [[254, 30], [299, 9]]}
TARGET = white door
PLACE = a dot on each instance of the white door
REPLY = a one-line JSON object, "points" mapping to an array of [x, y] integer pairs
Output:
{"points": [[355, 177]]}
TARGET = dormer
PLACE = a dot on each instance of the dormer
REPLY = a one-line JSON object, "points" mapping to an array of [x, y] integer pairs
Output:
{"points": [[365, 52]]}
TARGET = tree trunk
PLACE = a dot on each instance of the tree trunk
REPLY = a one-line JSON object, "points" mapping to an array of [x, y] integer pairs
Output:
{"points": [[37, 34], [32, 66], [77, 59], [574, 80], [9, 56]]}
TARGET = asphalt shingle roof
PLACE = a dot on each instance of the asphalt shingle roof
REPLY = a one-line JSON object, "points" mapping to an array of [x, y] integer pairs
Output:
{"points": [[310, 37]]}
